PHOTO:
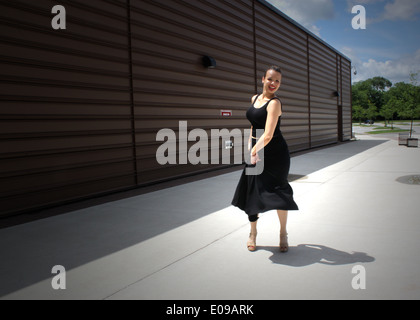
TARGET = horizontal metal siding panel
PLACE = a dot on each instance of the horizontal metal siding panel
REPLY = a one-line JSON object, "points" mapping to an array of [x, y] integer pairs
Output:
{"points": [[55, 162], [48, 108], [169, 39], [67, 121], [166, 30], [50, 179], [38, 199], [279, 42], [65, 129], [323, 83], [346, 100]]}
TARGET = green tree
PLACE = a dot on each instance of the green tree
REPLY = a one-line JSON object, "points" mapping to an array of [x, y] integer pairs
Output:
{"points": [[372, 111], [359, 113], [360, 94], [369, 93], [412, 106], [389, 110], [378, 87]]}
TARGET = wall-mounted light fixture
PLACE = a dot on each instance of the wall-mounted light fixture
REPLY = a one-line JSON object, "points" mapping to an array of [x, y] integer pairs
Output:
{"points": [[209, 62], [336, 94]]}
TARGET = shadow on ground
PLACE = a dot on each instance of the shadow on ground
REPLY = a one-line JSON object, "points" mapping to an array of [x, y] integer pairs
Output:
{"points": [[307, 254]]}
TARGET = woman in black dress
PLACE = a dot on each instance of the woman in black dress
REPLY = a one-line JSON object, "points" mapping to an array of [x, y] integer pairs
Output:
{"points": [[269, 190]]}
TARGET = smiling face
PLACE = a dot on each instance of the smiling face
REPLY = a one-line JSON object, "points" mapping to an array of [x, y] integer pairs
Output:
{"points": [[272, 81]]}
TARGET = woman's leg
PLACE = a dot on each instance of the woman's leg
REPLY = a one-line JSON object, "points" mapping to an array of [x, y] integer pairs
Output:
{"points": [[252, 246], [284, 245], [283, 221]]}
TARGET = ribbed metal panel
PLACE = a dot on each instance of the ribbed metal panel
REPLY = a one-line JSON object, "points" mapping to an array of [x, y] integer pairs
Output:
{"points": [[280, 42], [170, 84], [323, 84], [80, 109], [346, 99], [65, 104]]}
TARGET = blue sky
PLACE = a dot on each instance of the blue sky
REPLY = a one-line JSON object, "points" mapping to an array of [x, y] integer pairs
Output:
{"points": [[390, 45]]}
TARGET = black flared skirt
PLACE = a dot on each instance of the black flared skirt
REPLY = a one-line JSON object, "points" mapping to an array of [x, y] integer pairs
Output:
{"points": [[269, 190]]}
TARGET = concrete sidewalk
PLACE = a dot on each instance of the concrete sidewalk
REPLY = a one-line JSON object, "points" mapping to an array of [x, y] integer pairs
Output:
{"points": [[357, 208]]}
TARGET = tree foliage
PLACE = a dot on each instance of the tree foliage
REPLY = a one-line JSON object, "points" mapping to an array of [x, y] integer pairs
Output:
{"points": [[379, 98]]}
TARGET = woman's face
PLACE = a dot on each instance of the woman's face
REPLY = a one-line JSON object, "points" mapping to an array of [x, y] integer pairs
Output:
{"points": [[272, 81]]}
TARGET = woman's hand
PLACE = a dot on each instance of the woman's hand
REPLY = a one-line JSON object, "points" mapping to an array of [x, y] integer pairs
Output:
{"points": [[255, 159]]}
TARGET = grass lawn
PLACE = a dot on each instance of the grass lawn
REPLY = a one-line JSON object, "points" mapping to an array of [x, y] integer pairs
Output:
{"points": [[379, 127], [382, 123], [380, 130]]}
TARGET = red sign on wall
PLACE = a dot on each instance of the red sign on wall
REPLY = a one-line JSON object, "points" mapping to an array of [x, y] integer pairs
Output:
{"points": [[226, 113]]}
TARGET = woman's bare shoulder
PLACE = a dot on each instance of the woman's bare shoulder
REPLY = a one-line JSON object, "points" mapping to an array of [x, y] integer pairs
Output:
{"points": [[275, 106]]}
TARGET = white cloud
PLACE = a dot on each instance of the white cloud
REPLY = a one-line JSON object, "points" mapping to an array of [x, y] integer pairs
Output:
{"points": [[396, 70], [352, 3], [393, 10], [401, 10], [306, 12]]}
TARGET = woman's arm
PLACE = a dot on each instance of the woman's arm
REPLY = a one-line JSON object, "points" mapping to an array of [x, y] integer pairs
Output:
{"points": [[250, 139], [274, 112], [252, 127]]}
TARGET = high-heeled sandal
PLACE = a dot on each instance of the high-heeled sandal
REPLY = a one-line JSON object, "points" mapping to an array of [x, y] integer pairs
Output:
{"points": [[252, 245], [284, 243]]}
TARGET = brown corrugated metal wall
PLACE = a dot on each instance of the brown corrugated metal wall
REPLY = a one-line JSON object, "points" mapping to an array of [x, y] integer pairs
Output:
{"points": [[66, 129], [346, 100], [283, 43], [171, 85], [81, 108], [323, 84]]}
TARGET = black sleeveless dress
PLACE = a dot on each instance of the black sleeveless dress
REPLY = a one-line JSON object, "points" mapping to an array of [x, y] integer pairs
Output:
{"points": [[270, 190]]}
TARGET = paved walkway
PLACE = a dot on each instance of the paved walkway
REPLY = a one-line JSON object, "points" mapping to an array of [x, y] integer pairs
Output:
{"points": [[357, 208]]}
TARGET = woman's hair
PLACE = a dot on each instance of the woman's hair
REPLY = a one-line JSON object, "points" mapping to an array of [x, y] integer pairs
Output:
{"points": [[275, 68]]}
